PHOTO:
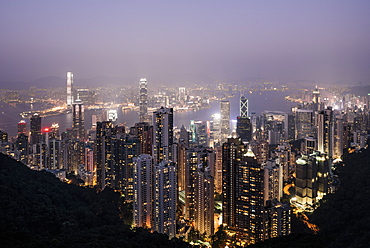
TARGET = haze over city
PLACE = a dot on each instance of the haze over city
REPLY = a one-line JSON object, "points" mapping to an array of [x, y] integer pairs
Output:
{"points": [[182, 41], [184, 124]]}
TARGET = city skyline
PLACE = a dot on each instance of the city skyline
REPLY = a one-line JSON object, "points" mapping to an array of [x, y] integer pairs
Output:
{"points": [[286, 41]]}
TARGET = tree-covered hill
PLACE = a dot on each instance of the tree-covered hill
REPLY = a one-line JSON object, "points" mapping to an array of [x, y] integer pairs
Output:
{"points": [[343, 217], [38, 210]]}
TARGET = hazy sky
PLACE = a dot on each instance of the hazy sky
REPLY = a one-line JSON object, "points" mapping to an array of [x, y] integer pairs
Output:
{"points": [[323, 41]]}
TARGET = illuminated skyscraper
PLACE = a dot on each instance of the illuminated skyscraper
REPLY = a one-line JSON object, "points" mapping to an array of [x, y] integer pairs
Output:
{"points": [[69, 88], [204, 201], [304, 123], [163, 135], [143, 100], [78, 119], [35, 129], [165, 198], [22, 127], [325, 132], [243, 107], [225, 120], [143, 191]]}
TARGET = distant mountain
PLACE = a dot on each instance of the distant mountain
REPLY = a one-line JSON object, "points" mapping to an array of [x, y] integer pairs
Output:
{"points": [[359, 90], [13, 85], [48, 82], [38, 210]]}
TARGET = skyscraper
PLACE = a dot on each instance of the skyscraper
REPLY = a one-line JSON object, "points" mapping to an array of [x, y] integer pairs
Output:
{"points": [[243, 106], [163, 135], [22, 127], [35, 129], [225, 120], [143, 100], [78, 126], [244, 128], [69, 88], [165, 198], [325, 132], [143, 191]]}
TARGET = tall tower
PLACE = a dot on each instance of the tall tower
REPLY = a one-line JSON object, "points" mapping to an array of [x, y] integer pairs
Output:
{"points": [[325, 132], [69, 88], [143, 100], [35, 129], [143, 191], [225, 120], [78, 126], [163, 135], [165, 198], [243, 107]]}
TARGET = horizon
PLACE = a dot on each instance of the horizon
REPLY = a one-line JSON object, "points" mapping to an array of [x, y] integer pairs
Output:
{"points": [[166, 41]]}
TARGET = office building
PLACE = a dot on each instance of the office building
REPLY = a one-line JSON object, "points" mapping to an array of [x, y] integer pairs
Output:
{"points": [[244, 128], [162, 135], [325, 132], [243, 107], [35, 129], [204, 201], [304, 123], [22, 127], [143, 100], [69, 88], [78, 125], [143, 191], [165, 198], [224, 120]]}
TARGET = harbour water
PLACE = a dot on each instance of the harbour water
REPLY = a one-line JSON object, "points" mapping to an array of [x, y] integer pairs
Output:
{"points": [[259, 101]]}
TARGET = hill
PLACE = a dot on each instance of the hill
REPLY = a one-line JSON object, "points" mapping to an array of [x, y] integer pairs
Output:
{"points": [[38, 210]]}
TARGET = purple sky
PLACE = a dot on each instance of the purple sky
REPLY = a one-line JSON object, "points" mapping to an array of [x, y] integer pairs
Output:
{"points": [[322, 41]]}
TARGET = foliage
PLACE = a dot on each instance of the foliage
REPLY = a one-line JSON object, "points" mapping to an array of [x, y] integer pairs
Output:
{"points": [[38, 210]]}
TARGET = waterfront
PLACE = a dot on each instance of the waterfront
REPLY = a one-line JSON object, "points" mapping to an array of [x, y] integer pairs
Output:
{"points": [[259, 101]]}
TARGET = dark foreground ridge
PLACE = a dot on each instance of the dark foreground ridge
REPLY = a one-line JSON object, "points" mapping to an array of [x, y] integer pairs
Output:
{"points": [[343, 217], [38, 210]]}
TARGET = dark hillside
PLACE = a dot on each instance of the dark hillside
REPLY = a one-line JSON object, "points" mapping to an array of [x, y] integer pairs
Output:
{"points": [[38, 210]]}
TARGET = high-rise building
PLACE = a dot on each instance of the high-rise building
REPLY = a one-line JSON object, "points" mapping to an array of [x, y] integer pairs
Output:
{"points": [[325, 132], [163, 135], [35, 129], [69, 88], [165, 198], [144, 132], [21, 147], [204, 201], [143, 100], [243, 107], [22, 127], [225, 120], [232, 153], [249, 217], [304, 123], [196, 158], [278, 219], [78, 126], [244, 128], [200, 133], [273, 181], [143, 191], [182, 94], [312, 176]]}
